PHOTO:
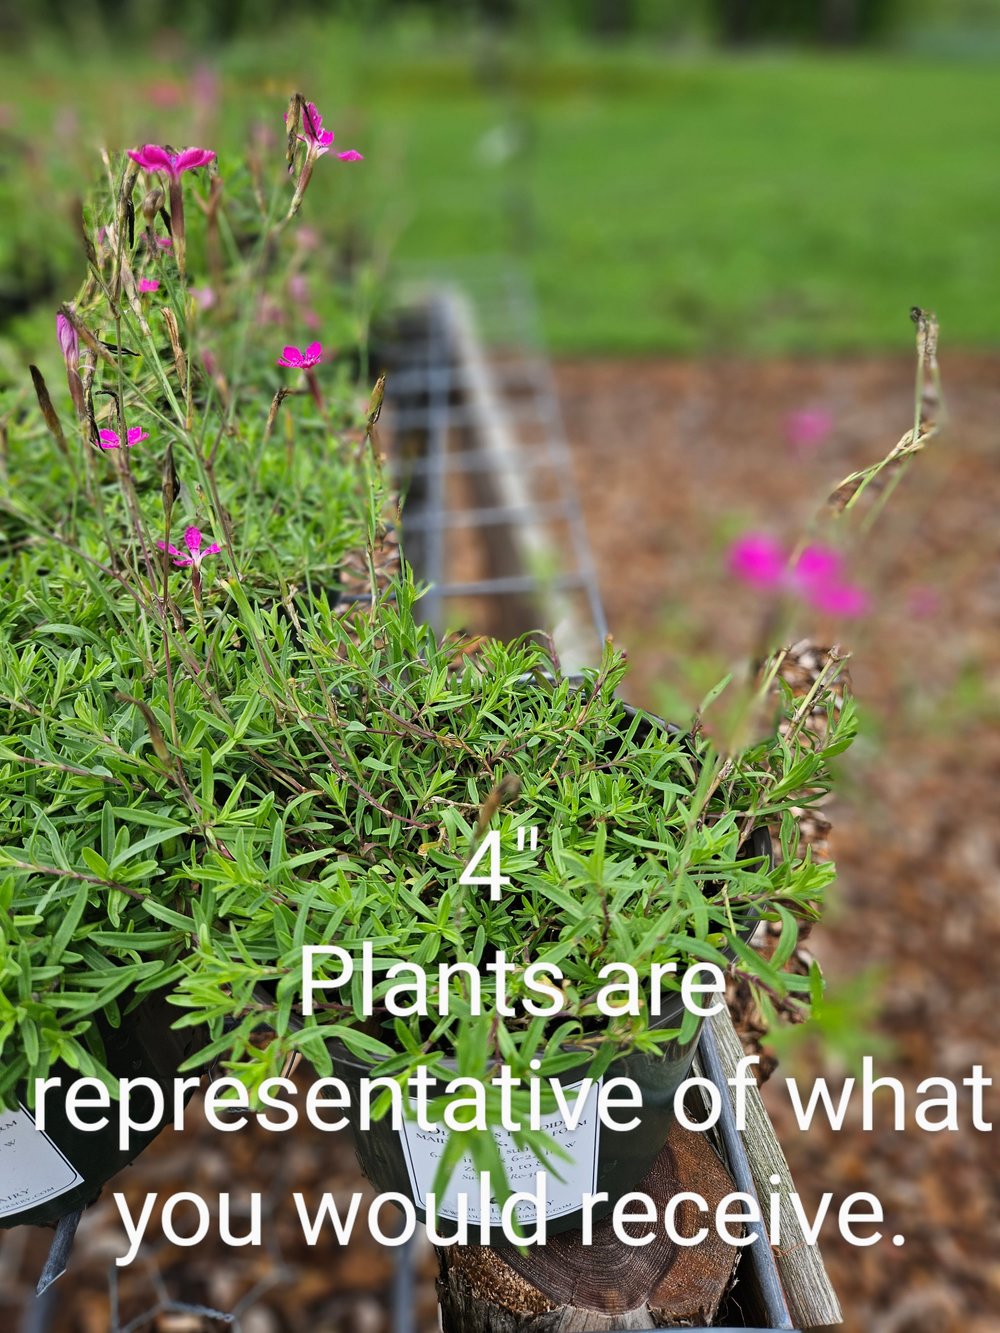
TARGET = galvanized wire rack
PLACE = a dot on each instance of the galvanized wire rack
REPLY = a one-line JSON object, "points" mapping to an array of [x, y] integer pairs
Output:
{"points": [[492, 519]]}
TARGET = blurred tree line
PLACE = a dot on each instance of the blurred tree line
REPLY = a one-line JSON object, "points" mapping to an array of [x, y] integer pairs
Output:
{"points": [[730, 23]]}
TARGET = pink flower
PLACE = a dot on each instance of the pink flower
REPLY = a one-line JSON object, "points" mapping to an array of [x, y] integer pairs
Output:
{"points": [[817, 576], [151, 157], [319, 140], [148, 285], [807, 429], [204, 297], [195, 555], [291, 356], [757, 559], [68, 341], [112, 440], [157, 242]]}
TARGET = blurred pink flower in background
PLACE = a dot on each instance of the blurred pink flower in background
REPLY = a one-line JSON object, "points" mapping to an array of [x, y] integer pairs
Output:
{"points": [[206, 88], [165, 93], [923, 602], [148, 285], [292, 357], [298, 290], [112, 440], [808, 428], [195, 555], [817, 575], [204, 297], [269, 310]]}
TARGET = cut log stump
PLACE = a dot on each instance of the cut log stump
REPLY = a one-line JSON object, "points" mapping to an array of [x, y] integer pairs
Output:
{"points": [[567, 1287]]}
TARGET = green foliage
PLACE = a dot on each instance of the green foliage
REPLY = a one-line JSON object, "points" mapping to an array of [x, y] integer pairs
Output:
{"points": [[205, 769]]}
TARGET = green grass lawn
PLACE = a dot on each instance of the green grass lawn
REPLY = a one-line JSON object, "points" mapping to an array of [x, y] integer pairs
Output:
{"points": [[786, 203]]}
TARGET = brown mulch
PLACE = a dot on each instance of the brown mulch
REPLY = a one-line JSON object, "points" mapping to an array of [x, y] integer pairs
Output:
{"points": [[672, 459]]}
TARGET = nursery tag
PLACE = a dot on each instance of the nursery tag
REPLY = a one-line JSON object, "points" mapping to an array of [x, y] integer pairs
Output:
{"points": [[32, 1169], [423, 1150]]}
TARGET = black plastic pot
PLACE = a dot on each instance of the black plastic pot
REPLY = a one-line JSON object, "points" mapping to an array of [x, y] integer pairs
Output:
{"points": [[142, 1046], [610, 1161], [615, 1161]]}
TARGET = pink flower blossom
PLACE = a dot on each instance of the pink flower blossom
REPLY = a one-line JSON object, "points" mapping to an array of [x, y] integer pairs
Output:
{"points": [[203, 297], [807, 429], [151, 157], [157, 242], [317, 139], [112, 440], [817, 575], [68, 341], [148, 285], [195, 555], [291, 356], [757, 559]]}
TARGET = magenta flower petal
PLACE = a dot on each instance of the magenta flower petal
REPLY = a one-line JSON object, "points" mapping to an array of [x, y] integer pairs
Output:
{"points": [[193, 157], [165, 546], [313, 353], [148, 285], [192, 540], [290, 356], [808, 428], [214, 549], [68, 340], [351, 155], [757, 559], [135, 434], [839, 599], [109, 439], [818, 564], [151, 157]]}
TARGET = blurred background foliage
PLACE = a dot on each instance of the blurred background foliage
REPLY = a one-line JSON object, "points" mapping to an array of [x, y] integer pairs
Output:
{"points": [[678, 175]]}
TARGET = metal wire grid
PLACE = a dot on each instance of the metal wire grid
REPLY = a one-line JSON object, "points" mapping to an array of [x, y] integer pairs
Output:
{"points": [[492, 422]]}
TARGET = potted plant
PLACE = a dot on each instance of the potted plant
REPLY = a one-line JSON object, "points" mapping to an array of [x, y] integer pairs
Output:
{"points": [[214, 765]]}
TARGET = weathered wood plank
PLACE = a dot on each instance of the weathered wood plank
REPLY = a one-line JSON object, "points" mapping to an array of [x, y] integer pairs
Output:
{"points": [[811, 1298]]}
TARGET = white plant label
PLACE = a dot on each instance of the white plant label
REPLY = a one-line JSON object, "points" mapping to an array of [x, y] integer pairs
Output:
{"points": [[32, 1168], [566, 1182]]}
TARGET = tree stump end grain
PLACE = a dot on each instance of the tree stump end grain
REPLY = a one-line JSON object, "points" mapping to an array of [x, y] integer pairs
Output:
{"points": [[568, 1287]]}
